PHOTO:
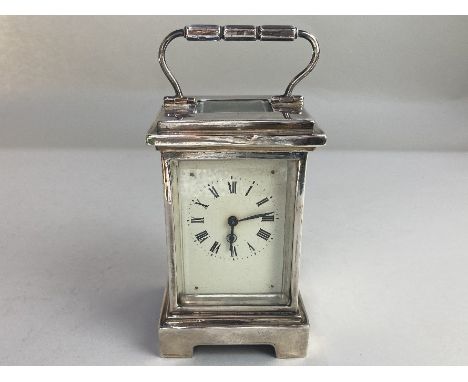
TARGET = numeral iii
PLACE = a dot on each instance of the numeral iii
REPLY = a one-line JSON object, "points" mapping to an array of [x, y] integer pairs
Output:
{"points": [[268, 218]]}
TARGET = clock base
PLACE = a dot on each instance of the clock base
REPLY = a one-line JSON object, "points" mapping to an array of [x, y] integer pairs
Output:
{"points": [[179, 334]]}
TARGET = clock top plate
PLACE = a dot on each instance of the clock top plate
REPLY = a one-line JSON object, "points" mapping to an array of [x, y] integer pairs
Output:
{"points": [[240, 123]]}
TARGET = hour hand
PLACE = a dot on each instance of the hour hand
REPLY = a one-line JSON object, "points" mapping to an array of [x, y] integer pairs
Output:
{"points": [[256, 216], [232, 221], [231, 240]]}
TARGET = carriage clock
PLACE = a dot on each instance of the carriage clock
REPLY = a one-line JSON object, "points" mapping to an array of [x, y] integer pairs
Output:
{"points": [[233, 172]]}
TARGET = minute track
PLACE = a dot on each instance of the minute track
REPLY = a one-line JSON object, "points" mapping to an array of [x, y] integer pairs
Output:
{"points": [[217, 196]]}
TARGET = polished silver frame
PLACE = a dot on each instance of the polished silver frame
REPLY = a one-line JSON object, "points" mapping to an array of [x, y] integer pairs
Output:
{"points": [[218, 320], [180, 333], [183, 131], [288, 300]]}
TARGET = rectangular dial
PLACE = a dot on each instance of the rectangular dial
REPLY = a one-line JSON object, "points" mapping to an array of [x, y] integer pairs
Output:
{"points": [[232, 226]]}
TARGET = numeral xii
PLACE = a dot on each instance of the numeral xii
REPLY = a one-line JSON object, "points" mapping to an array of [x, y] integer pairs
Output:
{"points": [[232, 187]]}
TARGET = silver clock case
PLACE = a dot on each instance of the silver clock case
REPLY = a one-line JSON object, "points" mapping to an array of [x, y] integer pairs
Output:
{"points": [[233, 128]]}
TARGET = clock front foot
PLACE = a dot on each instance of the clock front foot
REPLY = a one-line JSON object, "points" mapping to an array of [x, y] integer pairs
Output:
{"points": [[178, 335], [170, 348], [288, 351]]}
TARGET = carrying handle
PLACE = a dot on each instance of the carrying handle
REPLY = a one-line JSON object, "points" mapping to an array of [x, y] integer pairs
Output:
{"points": [[239, 33]]}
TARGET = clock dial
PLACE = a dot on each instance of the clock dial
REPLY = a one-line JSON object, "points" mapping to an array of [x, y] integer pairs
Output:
{"points": [[235, 221], [232, 223]]}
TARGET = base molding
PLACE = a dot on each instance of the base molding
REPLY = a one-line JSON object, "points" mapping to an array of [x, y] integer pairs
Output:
{"points": [[288, 334]]}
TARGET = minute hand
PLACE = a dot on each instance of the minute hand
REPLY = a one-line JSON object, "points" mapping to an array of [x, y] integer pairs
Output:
{"points": [[255, 216]]}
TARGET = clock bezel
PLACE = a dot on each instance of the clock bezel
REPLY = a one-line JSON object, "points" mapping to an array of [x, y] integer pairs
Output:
{"points": [[286, 301]]}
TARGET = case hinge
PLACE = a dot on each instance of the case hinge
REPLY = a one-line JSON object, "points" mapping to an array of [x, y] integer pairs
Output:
{"points": [[180, 105], [287, 104]]}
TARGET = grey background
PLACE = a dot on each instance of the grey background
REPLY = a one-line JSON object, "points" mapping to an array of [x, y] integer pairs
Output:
{"points": [[82, 242], [381, 82]]}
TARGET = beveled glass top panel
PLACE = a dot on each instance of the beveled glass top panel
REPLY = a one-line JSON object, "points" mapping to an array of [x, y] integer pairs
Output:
{"points": [[234, 106]]}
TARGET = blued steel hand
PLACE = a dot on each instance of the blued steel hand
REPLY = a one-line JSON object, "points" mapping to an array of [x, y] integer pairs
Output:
{"points": [[256, 216], [231, 240], [232, 221]]}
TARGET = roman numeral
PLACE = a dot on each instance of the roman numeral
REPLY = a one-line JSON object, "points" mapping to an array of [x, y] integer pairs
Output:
{"points": [[213, 191], [263, 201], [234, 252], [205, 206], [251, 247], [197, 220], [215, 247], [250, 188], [268, 218], [202, 236], [265, 235], [232, 187]]}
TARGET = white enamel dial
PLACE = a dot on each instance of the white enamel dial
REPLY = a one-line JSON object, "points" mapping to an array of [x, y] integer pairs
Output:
{"points": [[232, 215], [251, 224]]}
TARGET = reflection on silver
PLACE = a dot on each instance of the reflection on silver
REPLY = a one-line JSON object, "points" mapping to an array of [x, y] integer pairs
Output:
{"points": [[240, 33], [202, 32]]}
